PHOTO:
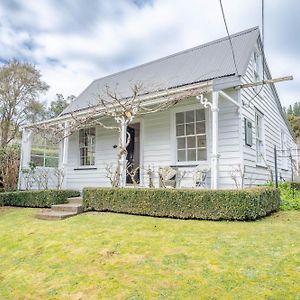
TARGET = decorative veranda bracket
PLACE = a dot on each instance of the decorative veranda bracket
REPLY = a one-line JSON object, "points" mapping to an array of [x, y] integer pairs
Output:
{"points": [[204, 101]]}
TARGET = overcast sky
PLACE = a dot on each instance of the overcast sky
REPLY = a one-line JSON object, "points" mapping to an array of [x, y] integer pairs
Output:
{"points": [[74, 42]]}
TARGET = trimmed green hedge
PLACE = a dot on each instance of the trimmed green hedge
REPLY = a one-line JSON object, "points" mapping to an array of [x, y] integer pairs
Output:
{"points": [[41, 198], [246, 204]]}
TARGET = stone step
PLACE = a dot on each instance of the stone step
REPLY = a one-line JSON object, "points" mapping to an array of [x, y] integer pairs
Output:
{"points": [[68, 207], [54, 215], [75, 200]]}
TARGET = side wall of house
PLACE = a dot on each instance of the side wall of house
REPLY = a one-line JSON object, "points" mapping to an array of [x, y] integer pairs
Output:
{"points": [[273, 127]]}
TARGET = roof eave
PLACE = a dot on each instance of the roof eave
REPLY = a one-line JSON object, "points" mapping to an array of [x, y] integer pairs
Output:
{"points": [[205, 85]]}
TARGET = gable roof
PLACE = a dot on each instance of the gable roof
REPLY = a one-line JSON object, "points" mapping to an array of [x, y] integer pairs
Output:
{"points": [[202, 63]]}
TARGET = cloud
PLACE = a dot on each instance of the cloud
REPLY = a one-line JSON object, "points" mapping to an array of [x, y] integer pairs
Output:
{"points": [[75, 42]]}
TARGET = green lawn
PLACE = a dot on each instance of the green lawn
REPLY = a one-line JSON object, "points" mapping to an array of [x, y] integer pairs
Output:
{"points": [[115, 256]]}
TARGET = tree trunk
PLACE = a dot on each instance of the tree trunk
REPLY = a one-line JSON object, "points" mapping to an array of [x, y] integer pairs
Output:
{"points": [[4, 133], [123, 152]]}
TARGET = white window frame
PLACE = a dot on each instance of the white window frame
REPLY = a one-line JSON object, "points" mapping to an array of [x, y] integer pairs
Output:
{"points": [[260, 139], [91, 148], [45, 146], [174, 137]]}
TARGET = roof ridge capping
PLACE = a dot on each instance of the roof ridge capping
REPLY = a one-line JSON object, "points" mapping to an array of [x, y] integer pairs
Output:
{"points": [[234, 35]]}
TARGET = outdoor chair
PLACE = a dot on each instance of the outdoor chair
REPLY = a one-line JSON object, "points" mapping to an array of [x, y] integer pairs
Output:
{"points": [[167, 177], [200, 176]]}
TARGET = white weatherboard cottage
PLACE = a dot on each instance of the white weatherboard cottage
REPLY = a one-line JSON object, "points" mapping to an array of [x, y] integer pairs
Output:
{"points": [[224, 129]]}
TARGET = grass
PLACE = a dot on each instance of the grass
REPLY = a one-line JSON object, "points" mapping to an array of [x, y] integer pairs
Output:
{"points": [[115, 256]]}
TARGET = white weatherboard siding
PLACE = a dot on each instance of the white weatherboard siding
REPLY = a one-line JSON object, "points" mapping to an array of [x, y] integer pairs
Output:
{"points": [[229, 144], [156, 142], [273, 125]]}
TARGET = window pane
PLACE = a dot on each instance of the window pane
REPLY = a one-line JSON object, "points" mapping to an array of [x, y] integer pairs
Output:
{"points": [[38, 160], [190, 116], [201, 154], [82, 161], [52, 152], [201, 141], [51, 162], [92, 162], [200, 127], [190, 129], [180, 143], [180, 118], [191, 142], [200, 114], [191, 154], [36, 150], [181, 155], [179, 130], [91, 140], [92, 131]]}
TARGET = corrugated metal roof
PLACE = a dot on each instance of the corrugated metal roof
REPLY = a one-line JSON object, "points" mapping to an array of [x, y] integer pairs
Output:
{"points": [[201, 63]]}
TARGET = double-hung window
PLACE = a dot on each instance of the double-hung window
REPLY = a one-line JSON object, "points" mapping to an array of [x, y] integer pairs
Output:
{"points": [[87, 137], [191, 135], [44, 153], [260, 151]]}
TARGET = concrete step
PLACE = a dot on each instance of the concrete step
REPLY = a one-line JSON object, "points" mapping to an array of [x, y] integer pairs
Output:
{"points": [[75, 200], [68, 207], [54, 215]]}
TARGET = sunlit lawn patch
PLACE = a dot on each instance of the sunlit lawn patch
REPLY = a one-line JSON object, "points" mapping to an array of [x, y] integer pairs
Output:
{"points": [[103, 255]]}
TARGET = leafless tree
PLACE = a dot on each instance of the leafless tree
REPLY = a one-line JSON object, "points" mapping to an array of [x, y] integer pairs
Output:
{"points": [[41, 178], [150, 171], [28, 176], [132, 173], [59, 174], [237, 174]]}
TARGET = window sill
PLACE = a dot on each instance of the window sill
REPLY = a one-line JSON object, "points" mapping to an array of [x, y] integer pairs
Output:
{"points": [[186, 164], [85, 168], [42, 168], [261, 166]]}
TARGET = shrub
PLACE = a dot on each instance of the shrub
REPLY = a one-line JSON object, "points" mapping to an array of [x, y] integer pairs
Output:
{"points": [[9, 167], [290, 198], [247, 204], [295, 185], [41, 198]]}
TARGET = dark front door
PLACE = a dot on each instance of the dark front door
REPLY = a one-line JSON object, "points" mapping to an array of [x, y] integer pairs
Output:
{"points": [[131, 166]]}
